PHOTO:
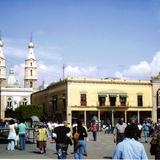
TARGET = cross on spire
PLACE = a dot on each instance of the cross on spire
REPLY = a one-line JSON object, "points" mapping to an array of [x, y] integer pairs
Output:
{"points": [[31, 37]]}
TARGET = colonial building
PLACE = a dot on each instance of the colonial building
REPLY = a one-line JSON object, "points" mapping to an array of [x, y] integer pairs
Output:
{"points": [[11, 93], [105, 99]]}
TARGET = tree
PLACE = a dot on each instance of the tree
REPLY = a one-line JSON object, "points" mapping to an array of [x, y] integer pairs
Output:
{"points": [[24, 112]]}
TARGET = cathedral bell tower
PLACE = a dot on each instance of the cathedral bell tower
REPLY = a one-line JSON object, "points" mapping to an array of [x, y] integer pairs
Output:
{"points": [[2, 66], [30, 74]]}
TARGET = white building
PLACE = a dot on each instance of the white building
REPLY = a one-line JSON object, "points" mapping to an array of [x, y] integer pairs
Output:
{"points": [[11, 94]]}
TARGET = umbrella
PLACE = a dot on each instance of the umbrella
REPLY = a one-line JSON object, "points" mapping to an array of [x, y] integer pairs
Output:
{"points": [[35, 118], [94, 118]]}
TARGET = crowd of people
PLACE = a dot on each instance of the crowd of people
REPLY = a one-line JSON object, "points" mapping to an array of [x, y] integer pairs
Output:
{"points": [[126, 136]]}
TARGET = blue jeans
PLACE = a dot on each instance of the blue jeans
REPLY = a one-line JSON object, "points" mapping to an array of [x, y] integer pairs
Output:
{"points": [[80, 149], [62, 150], [95, 136], [11, 144], [22, 141], [146, 134], [85, 146]]}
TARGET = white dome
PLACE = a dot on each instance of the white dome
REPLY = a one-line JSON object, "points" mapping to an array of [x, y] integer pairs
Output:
{"points": [[30, 45], [31, 52]]}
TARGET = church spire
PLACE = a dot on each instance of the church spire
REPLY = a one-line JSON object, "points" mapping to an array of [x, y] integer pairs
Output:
{"points": [[2, 65], [1, 48], [31, 37], [30, 77], [31, 49]]}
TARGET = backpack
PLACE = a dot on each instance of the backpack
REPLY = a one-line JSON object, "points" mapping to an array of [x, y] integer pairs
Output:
{"points": [[76, 136]]}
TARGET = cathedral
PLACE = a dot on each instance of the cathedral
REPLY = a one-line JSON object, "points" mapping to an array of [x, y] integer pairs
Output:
{"points": [[12, 94]]}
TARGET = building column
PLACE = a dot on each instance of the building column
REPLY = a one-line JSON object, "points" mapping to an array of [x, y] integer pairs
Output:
{"points": [[117, 101], [138, 116], [125, 116], [85, 118], [112, 118], [99, 116], [69, 115], [107, 103]]}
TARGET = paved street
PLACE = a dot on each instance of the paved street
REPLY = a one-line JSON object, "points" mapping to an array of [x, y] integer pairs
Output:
{"points": [[101, 149]]}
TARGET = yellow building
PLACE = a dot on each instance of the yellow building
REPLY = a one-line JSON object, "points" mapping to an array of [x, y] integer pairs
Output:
{"points": [[104, 99]]}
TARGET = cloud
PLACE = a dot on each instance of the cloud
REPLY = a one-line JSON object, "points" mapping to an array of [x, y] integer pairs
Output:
{"points": [[88, 71], [19, 73], [142, 70], [46, 72], [14, 52]]}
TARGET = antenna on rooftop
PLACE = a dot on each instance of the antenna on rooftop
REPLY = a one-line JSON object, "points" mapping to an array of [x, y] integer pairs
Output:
{"points": [[63, 70]]}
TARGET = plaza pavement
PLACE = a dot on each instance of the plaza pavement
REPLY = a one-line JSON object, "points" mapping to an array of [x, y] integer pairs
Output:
{"points": [[101, 149]]}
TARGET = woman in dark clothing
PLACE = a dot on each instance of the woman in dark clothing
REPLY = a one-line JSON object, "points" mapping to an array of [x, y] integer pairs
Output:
{"points": [[80, 145], [156, 142]]}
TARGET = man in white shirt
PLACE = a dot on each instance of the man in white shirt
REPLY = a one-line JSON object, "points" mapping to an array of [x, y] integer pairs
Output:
{"points": [[129, 148], [118, 131]]}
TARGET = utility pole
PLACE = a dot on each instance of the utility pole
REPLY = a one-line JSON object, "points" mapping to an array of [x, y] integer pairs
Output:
{"points": [[63, 71]]}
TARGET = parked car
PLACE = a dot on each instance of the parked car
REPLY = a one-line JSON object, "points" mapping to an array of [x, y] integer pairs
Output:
{"points": [[4, 131]]}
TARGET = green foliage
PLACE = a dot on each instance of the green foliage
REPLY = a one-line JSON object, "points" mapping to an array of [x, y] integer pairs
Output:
{"points": [[24, 112]]}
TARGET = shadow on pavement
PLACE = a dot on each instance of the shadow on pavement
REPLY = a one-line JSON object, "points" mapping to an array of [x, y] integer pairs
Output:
{"points": [[36, 152], [107, 157]]}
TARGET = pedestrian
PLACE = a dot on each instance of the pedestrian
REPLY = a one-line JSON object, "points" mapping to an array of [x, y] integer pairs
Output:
{"points": [[94, 130], [155, 142], [129, 148], [135, 125], [42, 136], [140, 130], [118, 132], [11, 135], [145, 127], [22, 135], [86, 141], [50, 130], [80, 143], [61, 134], [69, 139]]}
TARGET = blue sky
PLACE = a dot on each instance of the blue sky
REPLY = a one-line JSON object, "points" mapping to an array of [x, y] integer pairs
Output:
{"points": [[93, 38]]}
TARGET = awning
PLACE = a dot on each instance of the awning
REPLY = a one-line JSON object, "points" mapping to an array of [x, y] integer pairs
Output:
{"points": [[113, 95], [123, 95], [102, 94]]}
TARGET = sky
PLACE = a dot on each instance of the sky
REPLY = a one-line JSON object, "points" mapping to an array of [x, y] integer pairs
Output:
{"points": [[92, 38]]}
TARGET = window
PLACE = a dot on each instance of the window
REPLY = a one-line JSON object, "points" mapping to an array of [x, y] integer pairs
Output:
{"points": [[24, 101], [122, 100], [112, 100], [31, 72], [140, 100], [102, 100], [9, 103], [31, 63], [31, 84], [83, 100]]}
